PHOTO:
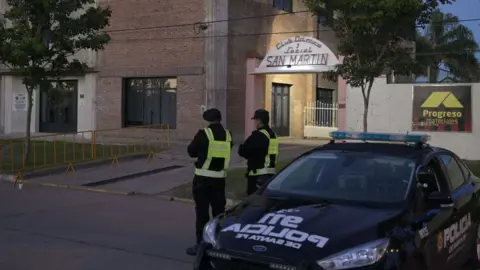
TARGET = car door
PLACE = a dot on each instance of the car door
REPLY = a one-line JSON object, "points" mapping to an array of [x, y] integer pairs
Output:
{"points": [[458, 235], [434, 219]]}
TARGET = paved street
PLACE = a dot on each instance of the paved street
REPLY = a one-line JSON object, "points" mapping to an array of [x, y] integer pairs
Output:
{"points": [[61, 229], [51, 228], [48, 228]]}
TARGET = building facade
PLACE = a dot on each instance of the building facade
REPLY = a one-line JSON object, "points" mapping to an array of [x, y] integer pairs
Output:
{"points": [[66, 106], [170, 60], [166, 63]]}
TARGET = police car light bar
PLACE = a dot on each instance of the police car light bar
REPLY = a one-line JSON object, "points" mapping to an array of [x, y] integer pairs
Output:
{"points": [[385, 137]]}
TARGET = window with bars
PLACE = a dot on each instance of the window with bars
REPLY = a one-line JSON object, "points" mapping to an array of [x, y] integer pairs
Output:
{"points": [[150, 101], [325, 95]]}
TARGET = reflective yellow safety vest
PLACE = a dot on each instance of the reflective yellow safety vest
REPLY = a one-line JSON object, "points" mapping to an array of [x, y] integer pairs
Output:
{"points": [[273, 144], [216, 149]]}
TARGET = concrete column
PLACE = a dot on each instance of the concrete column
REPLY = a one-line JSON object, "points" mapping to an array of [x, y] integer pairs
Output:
{"points": [[342, 101], [255, 89], [216, 55], [7, 101]]}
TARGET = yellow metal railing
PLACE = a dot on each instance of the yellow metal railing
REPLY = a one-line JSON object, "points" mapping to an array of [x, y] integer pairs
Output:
{"points": [[71, 148]]}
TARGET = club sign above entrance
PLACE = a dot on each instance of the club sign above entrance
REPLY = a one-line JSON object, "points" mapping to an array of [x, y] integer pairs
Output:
{"points": [[298, 54]]}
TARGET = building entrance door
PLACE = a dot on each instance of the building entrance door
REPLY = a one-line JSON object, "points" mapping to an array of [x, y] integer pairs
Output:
{"points": [[280, 114], [58, 107]]}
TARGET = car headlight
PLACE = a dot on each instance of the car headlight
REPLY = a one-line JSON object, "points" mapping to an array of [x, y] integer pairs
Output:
{"points": [[209, 232], [363, 255]]}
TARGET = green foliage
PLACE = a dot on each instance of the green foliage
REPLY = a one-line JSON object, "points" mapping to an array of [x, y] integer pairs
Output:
{"points": [[445, 41], [39, 37], [371, 37]]}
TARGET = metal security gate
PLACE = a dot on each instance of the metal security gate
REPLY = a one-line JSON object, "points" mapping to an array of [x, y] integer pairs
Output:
{"points": [[320, 116], [280, 119], [58, 107]]}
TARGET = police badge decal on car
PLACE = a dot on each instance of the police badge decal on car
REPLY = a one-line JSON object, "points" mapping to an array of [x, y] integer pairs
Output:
{"points": [[259, 248], [440, 242]]}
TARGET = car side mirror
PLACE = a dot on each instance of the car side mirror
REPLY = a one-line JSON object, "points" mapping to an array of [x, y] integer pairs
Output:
{"points": [[425, 178], [440, 199]]}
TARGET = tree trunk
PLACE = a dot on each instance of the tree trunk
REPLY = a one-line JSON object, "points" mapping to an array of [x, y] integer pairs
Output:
{"points": [[365, 115], [366, 90], [28, 136], [433, 74]]}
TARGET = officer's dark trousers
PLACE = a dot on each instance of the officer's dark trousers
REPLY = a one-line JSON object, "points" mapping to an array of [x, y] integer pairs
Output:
{"points": [[207, 192], [254, 182]]}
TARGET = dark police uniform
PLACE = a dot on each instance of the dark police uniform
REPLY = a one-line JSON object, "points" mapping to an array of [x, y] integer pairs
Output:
{"points": [[212, 148], [261, 151]]}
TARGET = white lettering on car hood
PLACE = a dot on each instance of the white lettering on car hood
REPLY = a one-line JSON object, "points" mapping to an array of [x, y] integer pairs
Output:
{"points": [[277, 228]]}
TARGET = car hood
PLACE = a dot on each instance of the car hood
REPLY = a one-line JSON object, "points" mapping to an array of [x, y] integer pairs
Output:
{"points": [[284, 228]]}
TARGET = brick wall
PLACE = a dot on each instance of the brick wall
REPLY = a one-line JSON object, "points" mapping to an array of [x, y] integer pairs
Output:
{"points": [[154, 52], [163, 52]]}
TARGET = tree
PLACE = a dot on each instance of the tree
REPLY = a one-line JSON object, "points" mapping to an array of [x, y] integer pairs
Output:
{"points": [[372, 38], [447, 42], [39, 39]]}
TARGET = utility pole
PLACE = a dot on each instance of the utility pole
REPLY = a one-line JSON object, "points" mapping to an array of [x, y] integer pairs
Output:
{"points": [[216, 55]]}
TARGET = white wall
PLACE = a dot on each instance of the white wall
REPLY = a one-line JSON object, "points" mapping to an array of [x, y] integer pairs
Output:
{"points": [[391, 111], [15, 121]]}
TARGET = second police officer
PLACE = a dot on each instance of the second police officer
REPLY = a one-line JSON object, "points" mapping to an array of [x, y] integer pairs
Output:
{"points": [[261, 151], [212, 148]]}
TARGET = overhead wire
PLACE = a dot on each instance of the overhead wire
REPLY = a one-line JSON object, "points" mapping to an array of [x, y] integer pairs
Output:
{"points": [[247, 18], [266, 34], [205, 24]]}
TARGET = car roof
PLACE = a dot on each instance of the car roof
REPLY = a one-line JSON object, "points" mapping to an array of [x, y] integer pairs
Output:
{"points": [[403, 150]]}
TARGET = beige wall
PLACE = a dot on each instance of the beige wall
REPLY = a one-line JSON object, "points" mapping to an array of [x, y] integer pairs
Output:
{"points": [[301, 92], [241, 46], [327, 36], [302, 84]]}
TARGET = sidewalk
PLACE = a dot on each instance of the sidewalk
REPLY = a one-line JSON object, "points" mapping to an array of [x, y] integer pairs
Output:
{"points": [[168, 170], [288, 150]]}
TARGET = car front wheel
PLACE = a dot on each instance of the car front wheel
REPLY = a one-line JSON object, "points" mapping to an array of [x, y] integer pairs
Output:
{"points": [[475, 253]]}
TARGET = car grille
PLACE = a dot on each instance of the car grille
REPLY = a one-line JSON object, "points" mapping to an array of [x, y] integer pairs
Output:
{"points": [[236, 264]]}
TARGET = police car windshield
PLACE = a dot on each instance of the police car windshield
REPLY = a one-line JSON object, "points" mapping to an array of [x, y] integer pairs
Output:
{"points": [[346, 176]]}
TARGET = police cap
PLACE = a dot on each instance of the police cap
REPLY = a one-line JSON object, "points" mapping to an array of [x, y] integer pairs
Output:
{"points": [[212, 115], [262, 115]]}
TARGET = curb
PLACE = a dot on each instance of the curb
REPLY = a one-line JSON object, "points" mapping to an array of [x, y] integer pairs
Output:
{"points": [[229, 203], [60, 169], [132, 176], [98, 190]]}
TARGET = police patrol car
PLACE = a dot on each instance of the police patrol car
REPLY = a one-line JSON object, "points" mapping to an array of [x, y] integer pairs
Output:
{"points": [[370, 201]]}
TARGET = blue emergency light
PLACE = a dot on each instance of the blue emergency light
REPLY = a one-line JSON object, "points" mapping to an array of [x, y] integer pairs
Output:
{"points": [[384, 137]]}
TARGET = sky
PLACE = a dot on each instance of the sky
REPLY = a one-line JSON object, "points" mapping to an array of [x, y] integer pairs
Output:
{"points": [[464, 10]]}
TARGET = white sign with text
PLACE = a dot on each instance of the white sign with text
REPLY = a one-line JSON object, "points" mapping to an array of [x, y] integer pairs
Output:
{"points": [[298, 54], [19, 102]]}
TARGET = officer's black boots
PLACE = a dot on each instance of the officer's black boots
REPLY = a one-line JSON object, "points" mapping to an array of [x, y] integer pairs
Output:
{"points": [[192, 251]]}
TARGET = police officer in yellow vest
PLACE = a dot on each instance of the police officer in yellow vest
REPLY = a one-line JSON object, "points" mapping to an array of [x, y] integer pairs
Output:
{"points": [[261, 151], [212, 148]]}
